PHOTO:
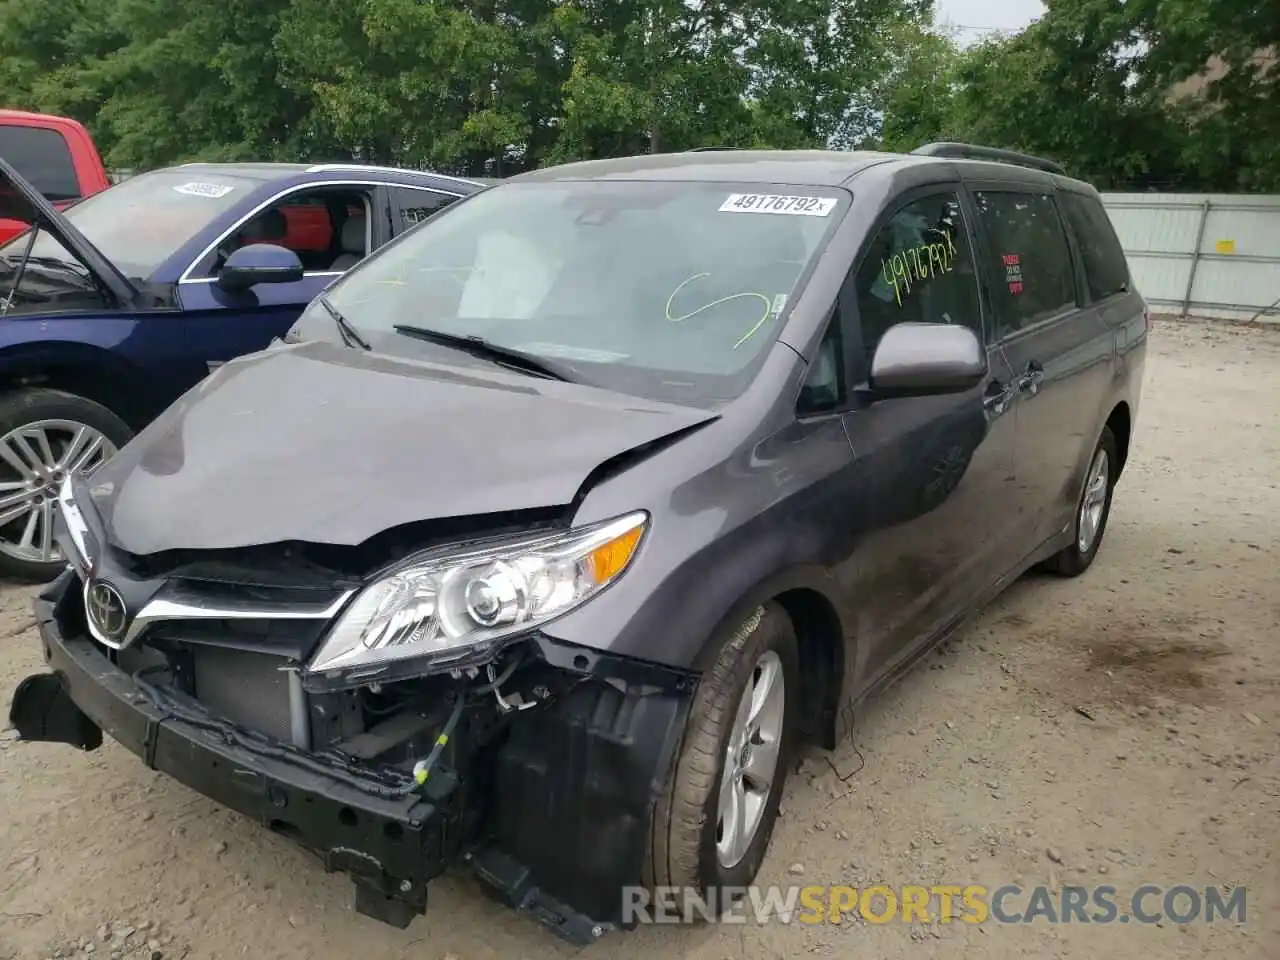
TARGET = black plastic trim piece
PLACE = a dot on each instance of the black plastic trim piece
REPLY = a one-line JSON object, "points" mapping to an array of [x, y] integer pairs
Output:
{"points": [[969, 151]]}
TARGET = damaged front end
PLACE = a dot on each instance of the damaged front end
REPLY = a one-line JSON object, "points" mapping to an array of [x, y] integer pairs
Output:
{"points": [[359, 719]]}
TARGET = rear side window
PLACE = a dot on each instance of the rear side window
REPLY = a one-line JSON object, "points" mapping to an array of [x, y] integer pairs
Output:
{"points": [[43, 158], [1106, 271], [411, 207], [1029, 260]]}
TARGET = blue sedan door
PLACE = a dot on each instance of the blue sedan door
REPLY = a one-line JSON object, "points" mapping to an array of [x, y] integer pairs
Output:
{"points": [[218, 325]]}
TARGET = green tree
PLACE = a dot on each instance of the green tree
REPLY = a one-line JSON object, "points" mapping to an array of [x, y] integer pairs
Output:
{"points": [[43, 50], [649, 76], [1095, 84], [1064, 88], [1233, 122], [818, 66], [918, 95], [448, 85]]}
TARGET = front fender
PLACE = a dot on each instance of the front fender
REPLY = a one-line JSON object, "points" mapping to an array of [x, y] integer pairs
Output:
{"points": [[35, 354], [668, 613]]}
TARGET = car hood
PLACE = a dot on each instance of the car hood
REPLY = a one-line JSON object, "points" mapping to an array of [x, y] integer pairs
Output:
{"points": [[20, 201], [326, 444]]}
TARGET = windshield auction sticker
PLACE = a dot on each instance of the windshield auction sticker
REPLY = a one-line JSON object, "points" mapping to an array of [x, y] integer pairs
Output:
{"points": [[213, 191], [777, 203]]}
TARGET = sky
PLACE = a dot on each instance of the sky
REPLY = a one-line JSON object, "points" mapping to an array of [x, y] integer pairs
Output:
{"points": [[977, 17]]}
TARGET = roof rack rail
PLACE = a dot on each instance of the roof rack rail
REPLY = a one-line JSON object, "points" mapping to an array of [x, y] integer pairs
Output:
{"points": [[706, 149], [968, 151]]}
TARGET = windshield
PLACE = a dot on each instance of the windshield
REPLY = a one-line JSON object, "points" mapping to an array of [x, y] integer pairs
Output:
{"points": [[671, 290], [141, 222]]}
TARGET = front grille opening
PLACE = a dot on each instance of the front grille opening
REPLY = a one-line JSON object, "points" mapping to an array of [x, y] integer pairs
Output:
{"points": [[295, 638], [249, 689]]}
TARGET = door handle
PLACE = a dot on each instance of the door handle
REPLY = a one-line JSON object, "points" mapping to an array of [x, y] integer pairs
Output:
{"points": [[1031, 378], [996, 400]]}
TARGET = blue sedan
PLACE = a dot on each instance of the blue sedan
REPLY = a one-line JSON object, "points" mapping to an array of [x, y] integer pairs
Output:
{"points": [[112, 309]]}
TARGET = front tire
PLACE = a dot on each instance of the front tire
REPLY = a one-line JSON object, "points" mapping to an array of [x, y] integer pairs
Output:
{"points": [[44, 434], [711, 827], [1092, 510]]}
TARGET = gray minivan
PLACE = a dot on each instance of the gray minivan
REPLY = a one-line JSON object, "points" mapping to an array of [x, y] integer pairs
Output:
{"points": [[556, 526]]}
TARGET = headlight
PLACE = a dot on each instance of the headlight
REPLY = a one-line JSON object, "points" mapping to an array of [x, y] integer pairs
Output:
{"points": [[460, 603], [77, 549]]}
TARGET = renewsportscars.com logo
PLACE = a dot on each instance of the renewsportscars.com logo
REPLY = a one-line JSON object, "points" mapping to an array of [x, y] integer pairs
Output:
{"points": [[944, 903]]}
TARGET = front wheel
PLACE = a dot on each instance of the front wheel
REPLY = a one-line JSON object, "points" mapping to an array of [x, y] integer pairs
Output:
{"points": [[45, 435], [1092, 511], [711, 828]]}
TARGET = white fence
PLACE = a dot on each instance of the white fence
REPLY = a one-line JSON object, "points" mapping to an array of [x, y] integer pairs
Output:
{"points": [[1204, 255]]}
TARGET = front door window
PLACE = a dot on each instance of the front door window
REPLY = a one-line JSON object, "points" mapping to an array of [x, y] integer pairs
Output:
{"points": [[918, 269], [329, 228]]}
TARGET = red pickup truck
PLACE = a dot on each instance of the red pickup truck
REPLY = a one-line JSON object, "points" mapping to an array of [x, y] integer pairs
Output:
{"points": [[55, 154]]}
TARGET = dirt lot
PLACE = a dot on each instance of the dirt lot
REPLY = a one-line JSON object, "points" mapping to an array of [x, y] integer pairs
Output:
{"points": [[1125, 724]]}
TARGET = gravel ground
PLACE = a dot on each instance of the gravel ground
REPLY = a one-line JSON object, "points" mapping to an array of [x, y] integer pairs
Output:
{"points": [[1121, 728]]}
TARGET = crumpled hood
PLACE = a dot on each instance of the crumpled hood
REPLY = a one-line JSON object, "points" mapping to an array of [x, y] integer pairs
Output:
{"points": [[325, 444]]}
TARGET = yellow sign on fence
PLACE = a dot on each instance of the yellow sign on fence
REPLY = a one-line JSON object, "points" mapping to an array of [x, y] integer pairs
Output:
{"points": [[1226, 246]]}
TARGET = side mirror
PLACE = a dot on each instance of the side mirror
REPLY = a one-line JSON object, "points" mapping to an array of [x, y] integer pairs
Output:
{"points": [[926, 359], [259, 263]]}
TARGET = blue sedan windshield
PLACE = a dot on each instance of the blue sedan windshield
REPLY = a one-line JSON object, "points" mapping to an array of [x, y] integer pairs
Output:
{"points": [[141, 222]]}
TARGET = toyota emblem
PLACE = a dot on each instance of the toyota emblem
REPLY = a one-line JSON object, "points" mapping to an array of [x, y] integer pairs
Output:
{"points": [[106, 611]]}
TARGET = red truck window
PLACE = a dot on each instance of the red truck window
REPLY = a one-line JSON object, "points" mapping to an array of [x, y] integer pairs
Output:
{"points": [[43, 157]]}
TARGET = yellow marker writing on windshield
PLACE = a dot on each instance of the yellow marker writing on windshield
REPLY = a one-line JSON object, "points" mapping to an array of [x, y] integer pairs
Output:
{"points": [[768, 304]]}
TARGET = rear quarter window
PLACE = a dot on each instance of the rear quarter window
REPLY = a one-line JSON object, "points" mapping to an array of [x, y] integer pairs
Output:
{"points": [[1105, 267], [43, 157]]}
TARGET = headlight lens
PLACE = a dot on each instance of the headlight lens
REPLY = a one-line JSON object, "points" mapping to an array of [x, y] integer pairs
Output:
{"points": [[446, 607]]}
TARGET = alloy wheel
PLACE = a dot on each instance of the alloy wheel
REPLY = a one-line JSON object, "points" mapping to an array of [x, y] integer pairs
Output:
{"points": [[1094, 501], [751, 760], [34, 460]]}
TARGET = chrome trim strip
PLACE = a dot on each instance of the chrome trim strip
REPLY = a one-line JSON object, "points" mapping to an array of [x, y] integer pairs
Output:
{"points": [[324, 167], [299, 717], [186, 278], [77, 529], [161, 609], [309, 273]]}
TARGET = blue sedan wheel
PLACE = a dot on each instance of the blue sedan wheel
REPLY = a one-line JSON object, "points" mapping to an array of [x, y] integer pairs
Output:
{"points": [[44, 436]]}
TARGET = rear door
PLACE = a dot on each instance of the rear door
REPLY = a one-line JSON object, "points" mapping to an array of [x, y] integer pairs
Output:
{"points": [[1057, 345], [934, 472]]}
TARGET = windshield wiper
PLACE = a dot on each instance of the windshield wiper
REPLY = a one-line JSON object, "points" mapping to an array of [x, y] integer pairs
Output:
{"points": [[486, 350], [60, 263], [349, 335]]}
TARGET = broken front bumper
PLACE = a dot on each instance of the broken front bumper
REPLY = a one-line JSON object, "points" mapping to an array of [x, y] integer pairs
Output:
{"points": [[560, 830]]}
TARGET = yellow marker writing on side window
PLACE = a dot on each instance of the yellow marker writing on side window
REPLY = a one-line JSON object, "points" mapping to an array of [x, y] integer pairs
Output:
{"points": [[768, 304], [917, 264]]}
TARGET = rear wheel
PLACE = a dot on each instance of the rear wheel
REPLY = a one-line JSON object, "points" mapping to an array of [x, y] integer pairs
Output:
{"points": [[1092, 511], [45, 435], [712, 826]]}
